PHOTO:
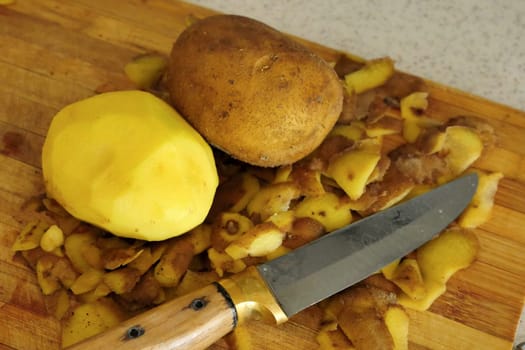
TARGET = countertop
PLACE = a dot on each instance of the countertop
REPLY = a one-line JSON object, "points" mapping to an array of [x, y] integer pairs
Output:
{"points": [[475, 46]]}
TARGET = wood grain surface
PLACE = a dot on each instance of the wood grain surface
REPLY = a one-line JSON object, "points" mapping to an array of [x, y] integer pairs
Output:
{"points": [[55, 52]]}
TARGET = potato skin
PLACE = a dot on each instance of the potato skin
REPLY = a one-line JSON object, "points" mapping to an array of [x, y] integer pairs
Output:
{"points": [[251, 91]]}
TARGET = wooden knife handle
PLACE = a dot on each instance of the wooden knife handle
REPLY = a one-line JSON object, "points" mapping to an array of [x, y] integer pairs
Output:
{"points": [[194, 321]]}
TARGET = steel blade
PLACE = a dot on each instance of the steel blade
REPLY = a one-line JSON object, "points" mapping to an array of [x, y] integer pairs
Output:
{"points": [[344, 257]]}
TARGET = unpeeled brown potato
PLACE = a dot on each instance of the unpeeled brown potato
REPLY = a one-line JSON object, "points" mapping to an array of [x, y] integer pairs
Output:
{"points": [[251, 91]]}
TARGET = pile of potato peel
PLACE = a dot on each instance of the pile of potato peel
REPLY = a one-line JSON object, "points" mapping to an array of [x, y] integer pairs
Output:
{"points": [[383, 150]]}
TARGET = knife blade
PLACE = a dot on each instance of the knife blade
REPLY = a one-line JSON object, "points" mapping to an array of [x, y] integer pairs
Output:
{"points": [[282, 287]]}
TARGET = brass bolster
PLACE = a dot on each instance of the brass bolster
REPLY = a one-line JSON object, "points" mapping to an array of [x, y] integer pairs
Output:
{"points": [[252, 297]]}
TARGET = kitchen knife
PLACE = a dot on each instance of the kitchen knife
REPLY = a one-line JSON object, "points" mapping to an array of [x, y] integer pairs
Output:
{"points": [[282, 287]]}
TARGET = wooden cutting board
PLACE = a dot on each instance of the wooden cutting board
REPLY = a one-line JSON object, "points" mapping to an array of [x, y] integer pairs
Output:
{"points": [[55, 52]]}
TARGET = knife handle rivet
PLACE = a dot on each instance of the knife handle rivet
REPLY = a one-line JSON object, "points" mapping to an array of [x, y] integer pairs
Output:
{"points": [[197, 304], [135, 332]]}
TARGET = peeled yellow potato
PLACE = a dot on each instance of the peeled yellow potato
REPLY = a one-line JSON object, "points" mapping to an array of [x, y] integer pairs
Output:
{"points": [[127, 162]]}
